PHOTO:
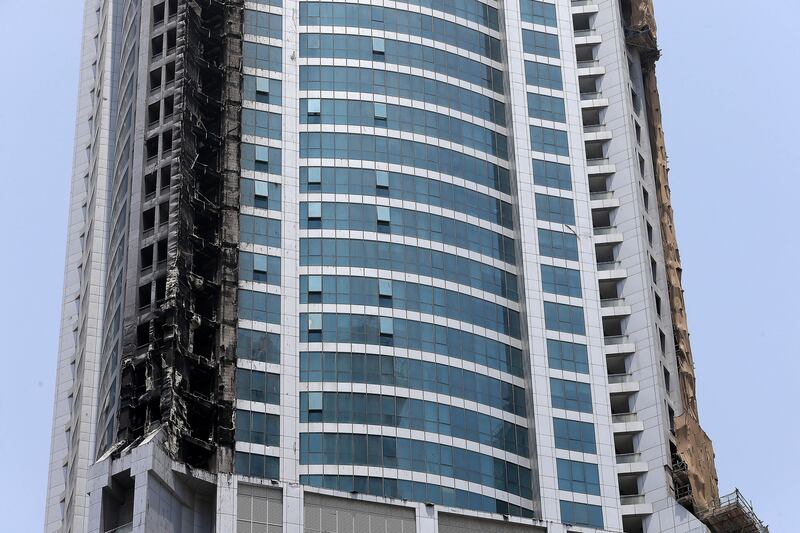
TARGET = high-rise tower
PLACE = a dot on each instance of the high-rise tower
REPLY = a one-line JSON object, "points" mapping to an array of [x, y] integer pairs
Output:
{"points": [[396, 266]]}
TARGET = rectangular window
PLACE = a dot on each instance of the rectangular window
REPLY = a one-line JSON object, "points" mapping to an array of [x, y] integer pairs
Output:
{"points": [[571, 395], [259, 306], [567, 356], [563, 281], [574, 435], [538, 12], [565, 318], [555, 209], [382, 179], [540, 43], [258, 428], [257, 386], [546, 107], [543, 75], [258, 346], [257, 465], [558, 244], [582, 514], [575, 476], [549, 141], [549, 174]]}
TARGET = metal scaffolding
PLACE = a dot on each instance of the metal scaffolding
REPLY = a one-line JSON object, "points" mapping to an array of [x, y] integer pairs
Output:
{"points": [[733, 514]]}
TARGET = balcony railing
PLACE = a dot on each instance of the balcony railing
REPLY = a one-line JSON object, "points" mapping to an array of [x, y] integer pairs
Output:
{"points": [[612, 302], [598, 161], [628, 458], [591, 96], [605, 230], [127, 528], [620, 378], [632, 500], [624, 417], [613, 340], [608, 265], [594, 128]]}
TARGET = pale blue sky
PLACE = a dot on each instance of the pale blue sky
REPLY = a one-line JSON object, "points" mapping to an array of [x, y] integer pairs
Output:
{"points": [[728, 78]]}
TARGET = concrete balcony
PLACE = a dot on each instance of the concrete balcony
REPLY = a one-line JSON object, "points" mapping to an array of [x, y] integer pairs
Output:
{"points": [[611, 270], [631, 463], [607, 234], [617, 307], [600, 167], [627, 423], [618, 345], [635, 505], [622, 384]]}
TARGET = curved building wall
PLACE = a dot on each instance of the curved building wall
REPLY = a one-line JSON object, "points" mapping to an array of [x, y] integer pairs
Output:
{"points": [[417, 311]]}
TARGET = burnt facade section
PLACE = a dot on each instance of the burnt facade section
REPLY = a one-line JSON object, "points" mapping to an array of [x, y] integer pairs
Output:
{"points": [[694, 473], [179, 345]]}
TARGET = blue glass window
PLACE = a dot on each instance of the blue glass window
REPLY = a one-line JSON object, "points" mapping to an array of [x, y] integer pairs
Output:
{"points": [[568, 356], [340, 180], [566, 318], [257, 386], [415, 491], [275, 3], [363, 217], [261, 158], [261, 123], [257, 465], [563, 281], [410, 119], [402, 53], [262, 56], [472, 10], [409, 413], [258, 428], [399, 21], [574, 435], [571, 395], [540, 43], [554, 209], [549, 174], [258, 346], [420, 88], [261, 194], [263, 24], [575, 476], [538, 12], [262, 90], [415, 455], [261, 268], [549, 141], [582, 514], [546, 107], [259, 306], [558, 244], [344, 367], [411, 259], [414, 297], [404, 152], [543, 75], [258, 230], [412, 335]]}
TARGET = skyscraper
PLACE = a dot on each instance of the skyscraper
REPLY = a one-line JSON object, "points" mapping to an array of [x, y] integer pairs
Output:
{"points": [[378, 266]]}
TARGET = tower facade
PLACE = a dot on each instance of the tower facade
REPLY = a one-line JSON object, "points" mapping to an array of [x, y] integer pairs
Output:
{"points": [[400, 266]]}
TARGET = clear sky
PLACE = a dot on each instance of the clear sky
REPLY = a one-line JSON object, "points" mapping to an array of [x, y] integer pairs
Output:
{"points": [[728, 79]]}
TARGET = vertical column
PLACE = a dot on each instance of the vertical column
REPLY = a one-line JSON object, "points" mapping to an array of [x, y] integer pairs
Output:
{"points": [[290, 362]]}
